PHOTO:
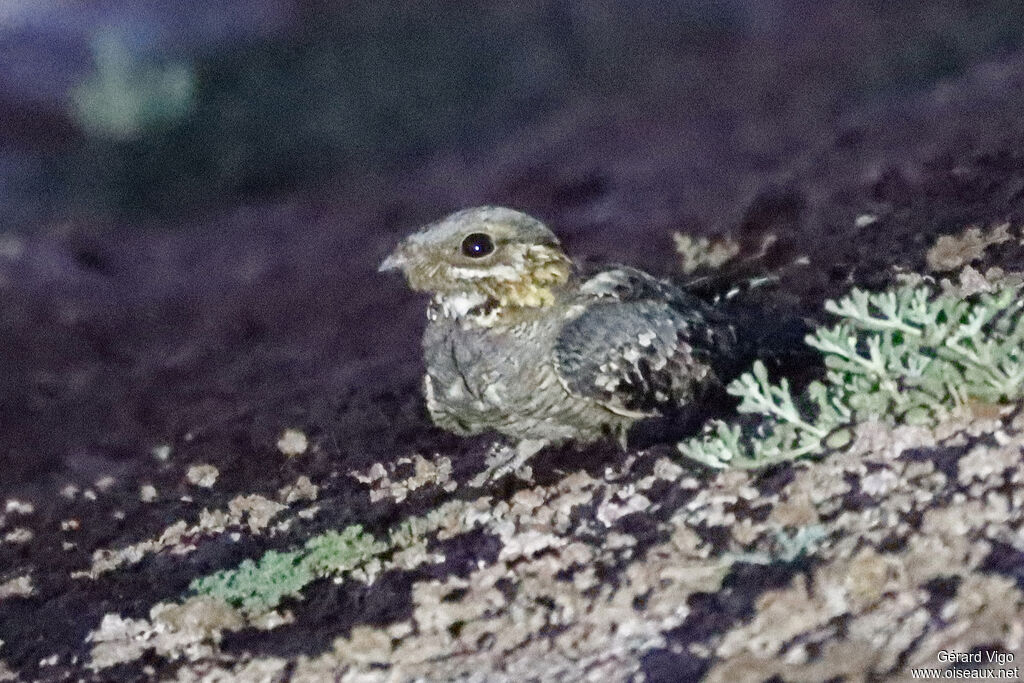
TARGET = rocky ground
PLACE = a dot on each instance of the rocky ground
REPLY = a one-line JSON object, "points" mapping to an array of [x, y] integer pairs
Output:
{"points": [[149, 375]]}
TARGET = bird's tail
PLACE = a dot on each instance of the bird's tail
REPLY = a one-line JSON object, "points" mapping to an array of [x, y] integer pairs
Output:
{"points": [[766, 327], [772, 335], [749, 291]]}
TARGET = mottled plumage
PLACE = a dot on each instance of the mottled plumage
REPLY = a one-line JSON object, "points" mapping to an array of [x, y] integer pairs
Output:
{"points": [[520, 341]]}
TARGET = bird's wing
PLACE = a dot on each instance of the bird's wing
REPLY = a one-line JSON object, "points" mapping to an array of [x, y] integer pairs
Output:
{"points": [[639, 344]]}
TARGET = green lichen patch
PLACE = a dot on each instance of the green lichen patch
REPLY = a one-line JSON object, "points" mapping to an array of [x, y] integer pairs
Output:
{"points": [[257, 587]]}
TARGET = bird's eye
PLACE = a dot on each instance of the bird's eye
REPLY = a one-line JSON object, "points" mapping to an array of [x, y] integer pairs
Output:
{"points": [[477, 245]]}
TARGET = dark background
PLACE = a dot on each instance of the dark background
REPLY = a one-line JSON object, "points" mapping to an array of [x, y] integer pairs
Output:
{"points": [[119, 112]]}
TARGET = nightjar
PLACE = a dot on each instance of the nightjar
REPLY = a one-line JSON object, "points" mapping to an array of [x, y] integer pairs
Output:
{"points": [[522, 341]]}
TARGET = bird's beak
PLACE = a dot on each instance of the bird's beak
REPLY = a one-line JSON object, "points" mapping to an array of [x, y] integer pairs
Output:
{"points": [[395, 261]]}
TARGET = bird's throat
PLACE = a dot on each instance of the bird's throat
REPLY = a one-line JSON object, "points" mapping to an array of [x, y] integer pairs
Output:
{"points": [[487, 299], [504, 305]]}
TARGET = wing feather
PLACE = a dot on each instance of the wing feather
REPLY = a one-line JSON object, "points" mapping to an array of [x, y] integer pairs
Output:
{"points": [[639, 345]]}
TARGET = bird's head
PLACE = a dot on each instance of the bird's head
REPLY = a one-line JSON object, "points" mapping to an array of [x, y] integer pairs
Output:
{"points": [[484, 254]]}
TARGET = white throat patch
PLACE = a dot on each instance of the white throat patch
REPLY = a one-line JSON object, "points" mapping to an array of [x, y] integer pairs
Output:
{"points": [[502, 272], [458, 305]]}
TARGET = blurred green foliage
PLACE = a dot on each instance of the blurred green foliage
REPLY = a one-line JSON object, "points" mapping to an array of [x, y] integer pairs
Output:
{"points": [[362, 87], [127, 95]]}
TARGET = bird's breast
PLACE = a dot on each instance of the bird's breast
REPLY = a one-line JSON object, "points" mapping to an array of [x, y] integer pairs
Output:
{"points": [[485, 375]]}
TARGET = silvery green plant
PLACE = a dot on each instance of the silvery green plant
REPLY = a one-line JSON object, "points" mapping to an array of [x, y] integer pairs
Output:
{"points": [[906, 356]]}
